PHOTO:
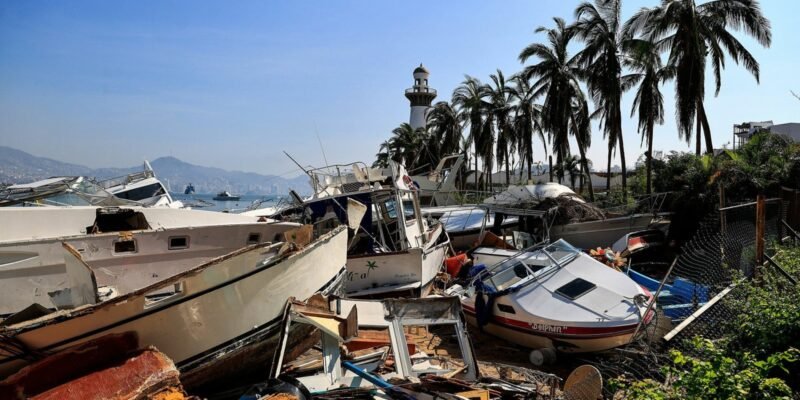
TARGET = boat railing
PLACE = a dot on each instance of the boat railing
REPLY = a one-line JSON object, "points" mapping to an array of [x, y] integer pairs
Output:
{"points": [[456, 197], [489, 269], [554, 264], [339, 174], [126, 179], [448, 215]]}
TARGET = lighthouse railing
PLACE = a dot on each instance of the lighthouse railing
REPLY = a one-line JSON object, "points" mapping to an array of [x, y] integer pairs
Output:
{"points": [[421, 90]]}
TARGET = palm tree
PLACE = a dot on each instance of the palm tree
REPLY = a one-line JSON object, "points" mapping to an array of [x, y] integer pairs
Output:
{"points": [[383, 156], [556, 77], [445, 130], [407, 145], [572, 166], [469, 98], [599, 25], [526, 120], [695, 34], [646, 70], [501, 111]]}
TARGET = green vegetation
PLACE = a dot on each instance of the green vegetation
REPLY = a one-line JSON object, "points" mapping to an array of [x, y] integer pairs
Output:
{"points": [[761, 166], [757, 360], [714, 373], [548, 98]]}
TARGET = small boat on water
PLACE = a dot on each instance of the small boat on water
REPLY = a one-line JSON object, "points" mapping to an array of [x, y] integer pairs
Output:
{"points": [[226, 196], [201, 318], [189, 189], [553, 297]]}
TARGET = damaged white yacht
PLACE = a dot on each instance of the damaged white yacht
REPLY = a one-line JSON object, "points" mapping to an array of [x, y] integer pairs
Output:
{"points": [[392, 247], [127, 247]]}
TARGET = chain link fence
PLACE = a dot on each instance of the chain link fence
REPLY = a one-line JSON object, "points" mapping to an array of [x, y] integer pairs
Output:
{"points": [[721, 254]]}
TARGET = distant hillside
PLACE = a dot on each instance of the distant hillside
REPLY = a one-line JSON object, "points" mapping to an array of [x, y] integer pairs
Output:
{"points": [[20, 167]]}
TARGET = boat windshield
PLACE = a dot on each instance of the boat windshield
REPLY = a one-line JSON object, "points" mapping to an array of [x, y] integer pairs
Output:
{"points": [[528, 266]]}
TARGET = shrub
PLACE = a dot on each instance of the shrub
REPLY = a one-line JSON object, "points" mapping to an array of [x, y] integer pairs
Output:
{"points": [[712, 373]]}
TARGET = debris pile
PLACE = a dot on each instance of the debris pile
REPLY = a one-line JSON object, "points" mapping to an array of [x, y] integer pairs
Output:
{"points": [[571, 208], [110, 367]]}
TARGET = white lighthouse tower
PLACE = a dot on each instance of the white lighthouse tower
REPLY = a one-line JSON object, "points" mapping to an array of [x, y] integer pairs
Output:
{"points": [[421, 97]]}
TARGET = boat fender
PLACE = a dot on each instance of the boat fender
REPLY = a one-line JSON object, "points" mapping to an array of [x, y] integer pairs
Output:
{"points": [[475, 270], [482, 312]]}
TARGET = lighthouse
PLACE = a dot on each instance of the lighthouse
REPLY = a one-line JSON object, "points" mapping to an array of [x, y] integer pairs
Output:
{"points": [[421, 97]]}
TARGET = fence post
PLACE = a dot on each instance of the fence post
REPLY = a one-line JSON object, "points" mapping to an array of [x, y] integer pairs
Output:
{"points": [[760, 225]]}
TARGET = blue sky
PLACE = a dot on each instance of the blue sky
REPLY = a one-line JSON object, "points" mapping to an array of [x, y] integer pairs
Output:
{"points": [[234, 84]]}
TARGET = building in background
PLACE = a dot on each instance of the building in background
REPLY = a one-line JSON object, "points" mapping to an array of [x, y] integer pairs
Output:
{"points": [[744, 131]]}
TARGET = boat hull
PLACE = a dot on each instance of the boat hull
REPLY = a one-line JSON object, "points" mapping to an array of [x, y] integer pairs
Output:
{"points": [[222, 302], [31, 269], [602, 233], [412, 269], [521, 333]]}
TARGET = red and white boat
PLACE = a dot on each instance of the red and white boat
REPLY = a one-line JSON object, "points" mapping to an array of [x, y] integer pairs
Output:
{"points": [[553, 297]]}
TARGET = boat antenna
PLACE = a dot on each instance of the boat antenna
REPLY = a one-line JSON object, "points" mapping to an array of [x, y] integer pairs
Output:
{"points": [[324, 157], [310, 175]]}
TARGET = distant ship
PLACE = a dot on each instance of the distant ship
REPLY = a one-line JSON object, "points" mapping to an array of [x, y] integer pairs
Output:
{"points": [[189, 189], [225, 196]]}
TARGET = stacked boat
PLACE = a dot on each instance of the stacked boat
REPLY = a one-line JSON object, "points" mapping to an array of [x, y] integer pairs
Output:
{"points": [[392, 248], [544, 211], [207, 289], [210, 289]]}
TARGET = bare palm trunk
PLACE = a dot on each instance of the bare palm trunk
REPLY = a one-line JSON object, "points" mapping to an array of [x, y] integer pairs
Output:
{"points": [[698, 132], [624, 168], [649, 157], [585, 170], [507, 172], [476, 168], [529, 160], [706, 128], [608, 171]]}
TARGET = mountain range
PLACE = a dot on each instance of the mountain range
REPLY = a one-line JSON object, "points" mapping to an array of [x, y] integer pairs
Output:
{"points": [[17, 166]]}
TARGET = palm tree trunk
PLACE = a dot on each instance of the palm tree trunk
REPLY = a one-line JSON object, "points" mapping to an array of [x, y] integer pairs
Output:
{"points": [[476, 168], [649, 157], [585, 169], [698, 132], [624, 168], [706, 128], [507, 172], [608, 171]]}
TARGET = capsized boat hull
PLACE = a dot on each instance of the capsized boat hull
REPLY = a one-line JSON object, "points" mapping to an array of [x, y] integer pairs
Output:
{"points": [[218, 304]]}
